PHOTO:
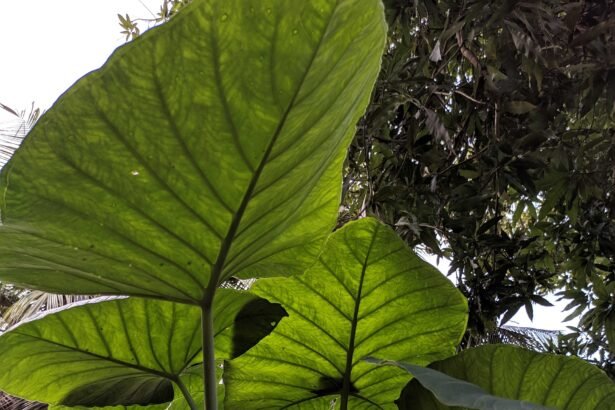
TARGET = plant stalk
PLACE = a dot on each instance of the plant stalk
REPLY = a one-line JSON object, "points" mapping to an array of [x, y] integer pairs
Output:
{"points": [[209, 358], [186, 394]]}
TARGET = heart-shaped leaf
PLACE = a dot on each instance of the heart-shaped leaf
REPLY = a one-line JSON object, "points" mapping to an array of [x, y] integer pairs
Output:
{"points": [[557, 382], [368, 295], [106, 352], [208, 148]]}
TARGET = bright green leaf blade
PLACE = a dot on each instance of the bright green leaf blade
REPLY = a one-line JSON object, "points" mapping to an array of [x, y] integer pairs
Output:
{"points": [[213, 144], [558, 382], [454, 392], [111, 352], [368, 296]]}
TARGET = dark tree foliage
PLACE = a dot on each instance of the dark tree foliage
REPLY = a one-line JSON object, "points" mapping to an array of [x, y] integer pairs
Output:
{"points": [[490, 141]]}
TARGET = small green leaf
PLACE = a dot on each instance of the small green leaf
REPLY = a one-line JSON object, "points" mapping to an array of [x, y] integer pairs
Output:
{"points": [[556, 382], [469, 173], [518, 212], [552, 197], [541, 301], [368, 295], [519, 107]]}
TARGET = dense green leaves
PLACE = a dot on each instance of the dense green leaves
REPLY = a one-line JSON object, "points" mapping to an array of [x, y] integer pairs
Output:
{"points": [[119, 351], [367, 296], [208, 148], [529, 112], [558, 382]]}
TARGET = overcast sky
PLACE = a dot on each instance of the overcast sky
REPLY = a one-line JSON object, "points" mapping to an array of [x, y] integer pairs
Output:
{"points": [[47, 45]]}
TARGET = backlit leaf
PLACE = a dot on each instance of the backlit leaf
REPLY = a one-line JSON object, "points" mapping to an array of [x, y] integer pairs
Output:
{"points": [[112, 352], [556, 382], [369, 295], [209, 147]]}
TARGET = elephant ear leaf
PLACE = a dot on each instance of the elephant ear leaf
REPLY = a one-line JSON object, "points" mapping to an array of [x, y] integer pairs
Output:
{"points": [[368, 295], [113, 351], [455, 392], [509, 372], [209, 148]]}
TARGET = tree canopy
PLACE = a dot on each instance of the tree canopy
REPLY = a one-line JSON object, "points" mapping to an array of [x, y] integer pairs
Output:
{"points": [[490, 141]]}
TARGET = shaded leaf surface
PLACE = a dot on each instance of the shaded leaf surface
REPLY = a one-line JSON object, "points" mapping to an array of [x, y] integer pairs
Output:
{"points": [[455, 392], [110, 352], [367, 296], [558, 382], [211, 146]]}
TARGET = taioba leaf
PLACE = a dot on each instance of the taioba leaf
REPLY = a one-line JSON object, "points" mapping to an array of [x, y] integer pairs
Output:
{"points": [[454, 392], [369, 295], [111, 352], [209, 147], [557, 382]]}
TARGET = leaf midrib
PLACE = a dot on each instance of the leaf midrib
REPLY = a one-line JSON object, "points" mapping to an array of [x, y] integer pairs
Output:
{"points": [[217, 276], [353, 327]]}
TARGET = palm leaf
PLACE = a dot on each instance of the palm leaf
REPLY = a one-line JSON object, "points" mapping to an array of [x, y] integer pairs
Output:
{"points": [[34, 302], [13, 132]]}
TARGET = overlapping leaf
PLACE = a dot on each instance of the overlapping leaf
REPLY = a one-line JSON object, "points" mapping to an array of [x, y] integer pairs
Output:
{"points": [[368, 296], [455, 392], [557, 382], [118, 351], [211, 146]]}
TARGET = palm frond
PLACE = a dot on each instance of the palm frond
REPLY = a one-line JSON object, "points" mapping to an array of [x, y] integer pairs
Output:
{"points": [[34, 302], [13, 403], [238, 284], [527, 337], [14, 131]]}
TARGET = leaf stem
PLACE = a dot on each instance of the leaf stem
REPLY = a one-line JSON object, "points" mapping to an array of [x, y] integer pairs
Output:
{"points": [[186, 394], [209, 359]]}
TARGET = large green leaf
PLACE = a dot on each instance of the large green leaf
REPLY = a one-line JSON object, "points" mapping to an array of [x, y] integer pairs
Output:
{"points": [[558, 382], [210, 147], [111, 352], [455, 392], [369, 295]]}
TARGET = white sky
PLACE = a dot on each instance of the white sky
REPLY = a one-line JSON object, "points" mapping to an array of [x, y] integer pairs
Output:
{"points": [[47, 45]]}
